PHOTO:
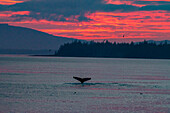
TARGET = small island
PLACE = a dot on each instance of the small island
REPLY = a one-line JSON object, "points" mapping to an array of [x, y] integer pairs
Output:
{"points": [[107, 49]]}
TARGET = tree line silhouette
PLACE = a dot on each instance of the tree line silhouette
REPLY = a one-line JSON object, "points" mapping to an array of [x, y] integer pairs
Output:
{"points": [[115, 50]]}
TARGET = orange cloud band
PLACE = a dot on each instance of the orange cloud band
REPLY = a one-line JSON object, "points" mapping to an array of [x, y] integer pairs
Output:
{"points": [[139, 24], [11, 2]]}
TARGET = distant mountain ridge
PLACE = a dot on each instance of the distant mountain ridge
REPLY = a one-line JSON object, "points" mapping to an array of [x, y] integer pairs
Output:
{"points": [[135, 40], [159, 42], [13, 37]]}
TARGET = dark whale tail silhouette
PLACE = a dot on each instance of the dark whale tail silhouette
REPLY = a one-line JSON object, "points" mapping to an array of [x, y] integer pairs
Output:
{"points": [[82, 80]]}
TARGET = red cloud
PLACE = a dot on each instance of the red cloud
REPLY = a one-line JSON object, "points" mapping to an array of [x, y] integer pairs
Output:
{"points": [[11, 13], [133, 2], [120, 2], [105, 25], [11, 2]]}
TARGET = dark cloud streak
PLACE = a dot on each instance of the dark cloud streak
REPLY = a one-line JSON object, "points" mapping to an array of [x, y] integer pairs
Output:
{"points": [[154, 7], [59, 10]]}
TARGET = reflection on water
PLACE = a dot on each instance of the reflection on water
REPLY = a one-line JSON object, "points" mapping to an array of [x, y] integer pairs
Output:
{"points": [[43, 84]]}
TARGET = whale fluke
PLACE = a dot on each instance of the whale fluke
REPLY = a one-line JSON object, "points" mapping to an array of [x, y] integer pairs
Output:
{"points": [[82, 80]]}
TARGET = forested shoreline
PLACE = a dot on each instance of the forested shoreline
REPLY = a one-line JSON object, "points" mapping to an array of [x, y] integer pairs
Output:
{"points": [[115, 50]]}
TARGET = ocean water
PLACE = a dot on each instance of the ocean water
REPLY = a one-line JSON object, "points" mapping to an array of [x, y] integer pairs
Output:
{"points": [[46, 85]]}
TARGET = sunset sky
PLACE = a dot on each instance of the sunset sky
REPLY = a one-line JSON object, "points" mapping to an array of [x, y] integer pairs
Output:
{"points": [[91, 19]]}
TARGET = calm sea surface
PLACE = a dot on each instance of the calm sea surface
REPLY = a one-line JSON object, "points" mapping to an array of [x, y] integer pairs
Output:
{"points": [[45, 85]]}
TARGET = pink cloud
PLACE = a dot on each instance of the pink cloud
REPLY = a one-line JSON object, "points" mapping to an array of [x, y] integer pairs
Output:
{"points": [[134, 2], [11, 13], [104, 25], [11, 2]]}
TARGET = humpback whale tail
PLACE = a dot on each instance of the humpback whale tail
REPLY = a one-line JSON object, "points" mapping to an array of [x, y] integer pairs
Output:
{"points": [[82, 80]]}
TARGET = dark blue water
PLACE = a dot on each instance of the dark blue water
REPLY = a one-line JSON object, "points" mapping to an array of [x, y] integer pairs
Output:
{"points": [[44, 84]]}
